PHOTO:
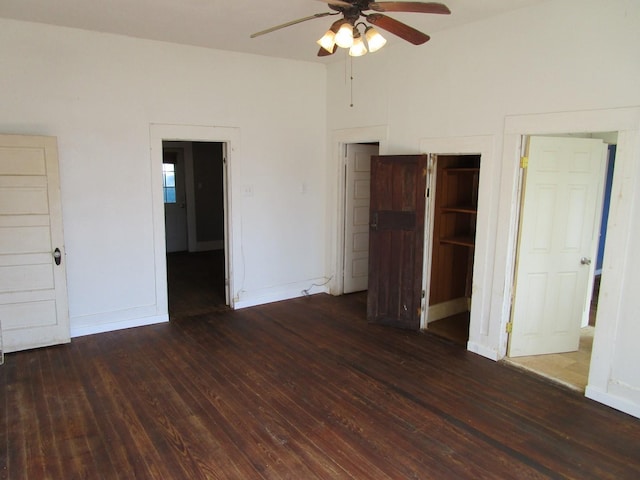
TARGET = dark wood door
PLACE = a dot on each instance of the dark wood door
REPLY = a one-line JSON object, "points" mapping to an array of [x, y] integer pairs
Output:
{"points": [[396, 239]]}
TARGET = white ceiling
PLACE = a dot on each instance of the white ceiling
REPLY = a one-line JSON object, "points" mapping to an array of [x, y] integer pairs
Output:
{"points": [[227, 24]]}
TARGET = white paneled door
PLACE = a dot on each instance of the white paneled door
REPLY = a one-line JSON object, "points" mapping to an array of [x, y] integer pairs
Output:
{"points": [[33, 289], [356, 248], [560, 212]]}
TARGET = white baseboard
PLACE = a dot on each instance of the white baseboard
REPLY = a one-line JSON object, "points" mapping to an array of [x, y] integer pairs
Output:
{"points": [[447, 309], [277, 294], [83, 330], [613, 401]]}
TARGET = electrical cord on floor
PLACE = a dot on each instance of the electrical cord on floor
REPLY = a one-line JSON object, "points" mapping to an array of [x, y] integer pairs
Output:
{"points": [[306, 292]]}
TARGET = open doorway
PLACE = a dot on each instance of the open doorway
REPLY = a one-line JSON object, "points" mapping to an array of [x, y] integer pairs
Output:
{"points": [[453, 195], [570, 313], [194, 203]]}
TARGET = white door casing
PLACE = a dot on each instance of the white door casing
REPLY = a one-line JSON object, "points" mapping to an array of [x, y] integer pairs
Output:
{"points": [[357, 193], [562, 198], [230, 136], [33, 290], [225, 207]]}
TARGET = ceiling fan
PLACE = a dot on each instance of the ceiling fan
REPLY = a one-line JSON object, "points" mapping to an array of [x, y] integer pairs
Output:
{"points": [[345, 33]]}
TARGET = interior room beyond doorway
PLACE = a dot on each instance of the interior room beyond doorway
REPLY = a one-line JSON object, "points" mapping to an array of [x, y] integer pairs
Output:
{"points": [[194, 189]]}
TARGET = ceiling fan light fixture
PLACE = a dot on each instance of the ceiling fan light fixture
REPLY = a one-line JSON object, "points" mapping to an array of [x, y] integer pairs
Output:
{"points": [[374, 39], [358, 48], [328, 41], [344, 37]]}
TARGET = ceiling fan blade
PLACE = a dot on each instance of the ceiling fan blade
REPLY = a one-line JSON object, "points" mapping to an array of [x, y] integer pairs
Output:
{"points": [[293, 22], [323, 53], [400, 29], [415, 7], [338, 3]]}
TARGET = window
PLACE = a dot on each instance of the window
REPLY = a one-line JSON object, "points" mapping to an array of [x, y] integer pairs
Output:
{"points": [[169, 182]]}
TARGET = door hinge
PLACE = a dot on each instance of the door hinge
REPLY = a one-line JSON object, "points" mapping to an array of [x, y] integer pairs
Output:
{"points": [[524, 162], [423, 293], [427, 195], [509, 327]]}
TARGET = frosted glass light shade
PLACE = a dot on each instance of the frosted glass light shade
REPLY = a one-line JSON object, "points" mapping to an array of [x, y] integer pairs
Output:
{"points": [[358, 48], [374, 39], [328, 41], [344, 37]]}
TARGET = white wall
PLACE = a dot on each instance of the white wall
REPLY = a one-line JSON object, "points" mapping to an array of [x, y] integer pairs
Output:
{"points": [[98, 94], [558, 56]]}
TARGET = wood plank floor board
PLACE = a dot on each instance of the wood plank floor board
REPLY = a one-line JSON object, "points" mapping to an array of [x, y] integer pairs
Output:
{"points": [[301, 389], [166, 434], [255, 383], [377, 405], [344, 392], [206, 413], [262, 391], [523, 422], [251, 408], [146, 449], [342, 417], [243, 410], [123, 454]]}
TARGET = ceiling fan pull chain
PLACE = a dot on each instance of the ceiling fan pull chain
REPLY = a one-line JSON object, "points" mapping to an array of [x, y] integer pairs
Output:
{"points": [[351, 80]]}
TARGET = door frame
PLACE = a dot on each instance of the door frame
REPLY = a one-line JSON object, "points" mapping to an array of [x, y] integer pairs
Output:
{"points": [[626, 122], [483, 145], [230, 138], [339, 140]]}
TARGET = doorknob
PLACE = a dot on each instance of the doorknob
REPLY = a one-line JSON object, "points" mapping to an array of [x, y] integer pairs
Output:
{"points": [[57, 256], [585, 261]]}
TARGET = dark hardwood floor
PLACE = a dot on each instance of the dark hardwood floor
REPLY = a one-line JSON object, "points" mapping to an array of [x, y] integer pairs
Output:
{"points": [[195, 283], [303, 389]]}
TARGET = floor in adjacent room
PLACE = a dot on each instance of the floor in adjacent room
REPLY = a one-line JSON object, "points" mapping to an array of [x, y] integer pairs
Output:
{"points": [[454, 328], [195, 283], [570, 369]]}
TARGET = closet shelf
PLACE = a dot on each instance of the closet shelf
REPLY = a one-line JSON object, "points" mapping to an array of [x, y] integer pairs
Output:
{"points": [[455, 170], [460, 209], [465, 241]]}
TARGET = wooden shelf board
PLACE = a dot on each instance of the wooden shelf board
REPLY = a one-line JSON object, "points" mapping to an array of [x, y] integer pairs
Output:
{"points": [[460, 209], [461, 169], [462, 241]]}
